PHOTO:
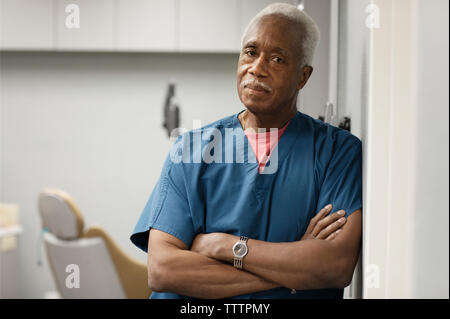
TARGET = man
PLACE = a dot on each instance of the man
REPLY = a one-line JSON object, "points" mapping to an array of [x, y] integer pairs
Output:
{"points": [[228, 230]]}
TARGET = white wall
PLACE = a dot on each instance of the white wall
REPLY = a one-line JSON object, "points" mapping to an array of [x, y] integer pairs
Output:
{"points": [[431, 232], [353, 63], [313, 97], [90, 123], [1, 131]]}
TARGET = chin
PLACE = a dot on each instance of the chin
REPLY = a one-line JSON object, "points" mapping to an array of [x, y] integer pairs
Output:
{"points": [[257, 106]]}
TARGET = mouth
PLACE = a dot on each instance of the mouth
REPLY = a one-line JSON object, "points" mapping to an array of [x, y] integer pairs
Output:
{"points": [[256, 89]]}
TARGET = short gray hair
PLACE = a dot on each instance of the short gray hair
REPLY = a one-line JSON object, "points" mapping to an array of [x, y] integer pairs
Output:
{"points": [[310, 31]]}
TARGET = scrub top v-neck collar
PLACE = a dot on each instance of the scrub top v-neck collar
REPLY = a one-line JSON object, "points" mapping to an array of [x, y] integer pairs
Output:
{"points": [[284, 145]]}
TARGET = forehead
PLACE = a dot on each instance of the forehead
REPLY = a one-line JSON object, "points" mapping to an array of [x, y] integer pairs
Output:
{"points": [[273, 32]]}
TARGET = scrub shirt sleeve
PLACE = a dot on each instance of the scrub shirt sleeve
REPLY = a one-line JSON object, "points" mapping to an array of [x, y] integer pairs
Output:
{"points": [[167, 209], [342, 184]]}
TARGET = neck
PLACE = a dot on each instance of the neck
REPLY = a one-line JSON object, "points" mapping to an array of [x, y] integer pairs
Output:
{"points": [[267, 121]]}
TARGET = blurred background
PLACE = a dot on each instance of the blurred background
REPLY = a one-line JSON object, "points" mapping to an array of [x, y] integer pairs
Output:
{"points": [[84, 93]]}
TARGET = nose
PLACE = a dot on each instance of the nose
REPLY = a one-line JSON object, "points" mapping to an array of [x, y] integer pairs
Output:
{"points": [[258, 67]]}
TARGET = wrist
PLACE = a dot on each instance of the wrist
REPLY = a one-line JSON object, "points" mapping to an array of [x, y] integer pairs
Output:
{"points": [[240, 250], [224, 251]]}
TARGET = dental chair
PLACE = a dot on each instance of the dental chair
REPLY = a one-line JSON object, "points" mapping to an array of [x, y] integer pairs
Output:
{"points": [[86, 264]]}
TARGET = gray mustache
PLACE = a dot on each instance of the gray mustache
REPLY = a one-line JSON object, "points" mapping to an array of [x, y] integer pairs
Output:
{"points": [[253, 82]]}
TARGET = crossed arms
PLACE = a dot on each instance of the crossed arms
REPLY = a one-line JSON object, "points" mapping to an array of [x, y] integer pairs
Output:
{"points": [[325, 257]]}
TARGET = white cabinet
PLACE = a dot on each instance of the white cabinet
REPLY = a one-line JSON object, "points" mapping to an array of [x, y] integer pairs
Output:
{"points": [[96, 27], [208, 25], [26, 25], [146, 25], [127, 25]]}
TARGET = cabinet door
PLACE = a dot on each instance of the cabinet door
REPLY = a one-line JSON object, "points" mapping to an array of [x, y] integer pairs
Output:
{"points": [[96, 27], [26, 24], [146, 25], [208, 25]]}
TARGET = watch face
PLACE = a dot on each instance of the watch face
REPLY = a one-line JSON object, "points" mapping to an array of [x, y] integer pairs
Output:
{"points": [[240, 250]]}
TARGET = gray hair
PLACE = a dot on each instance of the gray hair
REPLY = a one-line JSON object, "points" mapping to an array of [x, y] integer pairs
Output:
{"points": [[309, 30]]}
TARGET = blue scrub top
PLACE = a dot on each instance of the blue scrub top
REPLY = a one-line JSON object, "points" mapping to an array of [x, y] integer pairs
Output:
{"points": [[318, 164]]}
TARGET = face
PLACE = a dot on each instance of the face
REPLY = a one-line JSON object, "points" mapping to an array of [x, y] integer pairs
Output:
{"points": [[269, 76]]}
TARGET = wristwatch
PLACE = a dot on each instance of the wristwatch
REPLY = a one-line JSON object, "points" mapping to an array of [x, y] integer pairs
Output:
{"points": [[240, 249]]}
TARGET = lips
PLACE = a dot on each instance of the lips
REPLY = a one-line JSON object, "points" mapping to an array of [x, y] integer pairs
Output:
{"points": [[256, 89]]}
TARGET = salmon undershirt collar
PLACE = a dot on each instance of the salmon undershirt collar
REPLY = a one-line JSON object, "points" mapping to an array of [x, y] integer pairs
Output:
{"points": [[263, 147]]}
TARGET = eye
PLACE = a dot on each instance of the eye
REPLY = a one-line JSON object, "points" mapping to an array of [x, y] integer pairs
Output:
{"points": [[278, 59], [250, 52]]}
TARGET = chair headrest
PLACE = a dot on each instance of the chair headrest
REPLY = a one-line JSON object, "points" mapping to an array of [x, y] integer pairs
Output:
{"points": [[59, 214]]}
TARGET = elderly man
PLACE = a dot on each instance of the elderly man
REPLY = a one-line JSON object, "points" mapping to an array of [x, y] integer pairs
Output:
{"points": [[242, 229]]}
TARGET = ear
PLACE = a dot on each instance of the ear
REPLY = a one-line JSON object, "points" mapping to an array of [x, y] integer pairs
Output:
{"points": [[305, 73]]}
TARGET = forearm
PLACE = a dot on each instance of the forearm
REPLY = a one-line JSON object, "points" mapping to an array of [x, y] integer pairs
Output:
{"points": [[307, 264], [192, 274]]}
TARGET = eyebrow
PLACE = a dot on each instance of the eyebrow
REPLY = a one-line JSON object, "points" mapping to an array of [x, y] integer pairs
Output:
{"points": [[276, 49]]}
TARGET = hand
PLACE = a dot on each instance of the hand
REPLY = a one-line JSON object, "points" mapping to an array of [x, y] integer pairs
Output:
{"points": [[325, 227], [207, 244]]}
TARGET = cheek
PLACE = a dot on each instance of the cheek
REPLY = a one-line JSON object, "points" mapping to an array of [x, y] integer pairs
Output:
{"points": [[241, 71], [285, 86], [239, 76]]}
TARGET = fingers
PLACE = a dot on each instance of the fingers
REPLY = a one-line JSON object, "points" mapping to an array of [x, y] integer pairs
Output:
{"points": [[326, 221], [323, 212], [331, 224], [333, 235]]}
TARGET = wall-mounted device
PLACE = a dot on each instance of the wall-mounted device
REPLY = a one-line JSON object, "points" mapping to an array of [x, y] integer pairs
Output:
{"points": [[330, 117], [346, 124], [171, 112]]}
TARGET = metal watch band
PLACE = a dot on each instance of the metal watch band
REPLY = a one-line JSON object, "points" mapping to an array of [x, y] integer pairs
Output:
{"points": [[238, 261]]}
